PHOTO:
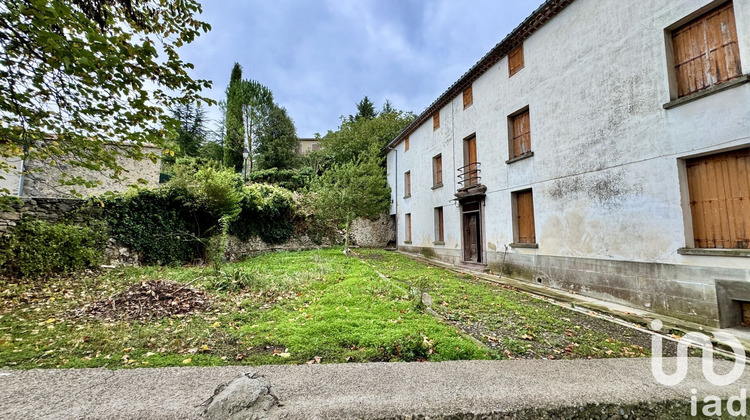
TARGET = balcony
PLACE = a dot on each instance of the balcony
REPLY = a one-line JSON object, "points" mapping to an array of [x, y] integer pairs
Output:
{"points": [[470, 181]]}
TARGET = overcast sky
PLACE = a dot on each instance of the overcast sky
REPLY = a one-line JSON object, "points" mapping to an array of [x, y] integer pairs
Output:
{"points": [[320, 57]]}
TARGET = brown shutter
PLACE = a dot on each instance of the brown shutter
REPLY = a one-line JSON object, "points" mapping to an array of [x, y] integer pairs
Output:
{"points": [[407, 184], [515, 60], [406, 144], [408, 228], [706, 51], [468, 97], [440, 232], [525, 210], [719, 188], [521, 134], [438, 162], [436, 120]]}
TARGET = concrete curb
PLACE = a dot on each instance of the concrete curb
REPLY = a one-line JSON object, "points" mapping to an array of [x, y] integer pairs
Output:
{"points": [[450, 390]]}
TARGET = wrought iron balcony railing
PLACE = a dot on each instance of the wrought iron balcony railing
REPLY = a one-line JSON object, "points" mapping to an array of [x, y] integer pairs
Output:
{"points": [[468, 175]]}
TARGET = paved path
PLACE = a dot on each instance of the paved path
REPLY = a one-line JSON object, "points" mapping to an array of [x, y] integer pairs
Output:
{"points": [[374, 390]]}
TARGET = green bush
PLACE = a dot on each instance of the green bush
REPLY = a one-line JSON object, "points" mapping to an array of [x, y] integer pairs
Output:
{"points": [[267, 212], [37, 248], [291, 179], [163, 226]]}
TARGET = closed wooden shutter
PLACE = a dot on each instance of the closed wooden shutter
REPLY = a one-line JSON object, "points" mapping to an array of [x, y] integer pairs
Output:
{"points": [[706, 51], [521, 134], [515, 60], [406, 144], [525, 210], [439, 232], [438, 167], [407, 227], [407, 184], [468, 97], [436, 120], [720, 199]]}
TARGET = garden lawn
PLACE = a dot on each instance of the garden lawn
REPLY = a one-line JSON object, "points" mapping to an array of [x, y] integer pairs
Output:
{"points": [[295, 307]]}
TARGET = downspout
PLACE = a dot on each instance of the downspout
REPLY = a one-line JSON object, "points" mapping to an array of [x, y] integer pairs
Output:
{"points": [[23, 170], [395, 196]]}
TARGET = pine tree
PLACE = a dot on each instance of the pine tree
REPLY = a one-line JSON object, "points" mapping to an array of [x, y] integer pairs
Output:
{"points": [[234, 142]]}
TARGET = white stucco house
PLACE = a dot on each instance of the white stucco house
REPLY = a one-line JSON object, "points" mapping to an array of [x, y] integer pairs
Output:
{"points": [[602, 147]]}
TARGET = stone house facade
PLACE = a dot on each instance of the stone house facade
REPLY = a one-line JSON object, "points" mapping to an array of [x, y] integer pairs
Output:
{"points": [[43, 180], [602, 147]]}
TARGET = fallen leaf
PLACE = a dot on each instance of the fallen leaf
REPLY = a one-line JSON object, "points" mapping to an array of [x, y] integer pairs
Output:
{"points": [[187, 361]]}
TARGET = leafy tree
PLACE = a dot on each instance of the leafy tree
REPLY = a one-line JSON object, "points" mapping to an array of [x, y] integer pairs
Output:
{"points": [[277, 141], [76, 75], [234, 125], [356, 136], [350, 190], [191, 132], [257, 103]]}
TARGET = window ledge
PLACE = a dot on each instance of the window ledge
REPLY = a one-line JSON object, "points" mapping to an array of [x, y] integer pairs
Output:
{"points": [[522, 157], [407, 242], [436, 186], [715, 252], [710, 91], [407, 196], [518, 245], [439, 243]]}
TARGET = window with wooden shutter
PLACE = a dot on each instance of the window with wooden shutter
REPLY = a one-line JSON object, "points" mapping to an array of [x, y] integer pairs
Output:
{"points": [[436, 120], [719, 188], [407, 228], [515, 60], [406, 144], [468, 97], [525, 217], [520, 134], [439, 231], [437, 171], [407, 184], [706, 51]]}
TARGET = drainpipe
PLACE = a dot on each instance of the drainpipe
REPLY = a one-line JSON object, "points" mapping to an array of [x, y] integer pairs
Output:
{"points": [[23, 170], [395, 196]]}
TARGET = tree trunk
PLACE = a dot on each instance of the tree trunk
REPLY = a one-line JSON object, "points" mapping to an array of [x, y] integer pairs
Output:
{"points": [[346, 236]]}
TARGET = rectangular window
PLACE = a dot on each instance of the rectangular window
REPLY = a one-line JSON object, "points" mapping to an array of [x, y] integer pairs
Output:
{"points": [[407, 228], [406, 144], [439, 231], [468, 97], [719, 188], [437, 171], [526, 232], [407, 184], [705, 51], [515, 60], [520, 134], [436, 120]]}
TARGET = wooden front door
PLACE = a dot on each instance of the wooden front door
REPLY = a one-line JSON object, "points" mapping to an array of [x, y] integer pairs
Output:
{"points": [[472, 233]]}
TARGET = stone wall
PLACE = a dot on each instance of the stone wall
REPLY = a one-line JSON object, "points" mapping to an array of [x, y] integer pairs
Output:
{"points": [[365, 233], [377, 233], [49, 209]]}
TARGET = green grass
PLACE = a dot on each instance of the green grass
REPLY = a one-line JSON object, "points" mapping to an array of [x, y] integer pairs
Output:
{"points": [[292, 307]]}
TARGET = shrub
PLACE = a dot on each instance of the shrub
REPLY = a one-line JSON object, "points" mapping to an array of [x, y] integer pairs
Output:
{"points": [[267, 212], [291, 179], [162, 226], [37, 248]]}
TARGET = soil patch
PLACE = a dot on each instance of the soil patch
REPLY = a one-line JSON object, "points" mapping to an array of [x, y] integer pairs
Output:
{"points": [[148, 300]]}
